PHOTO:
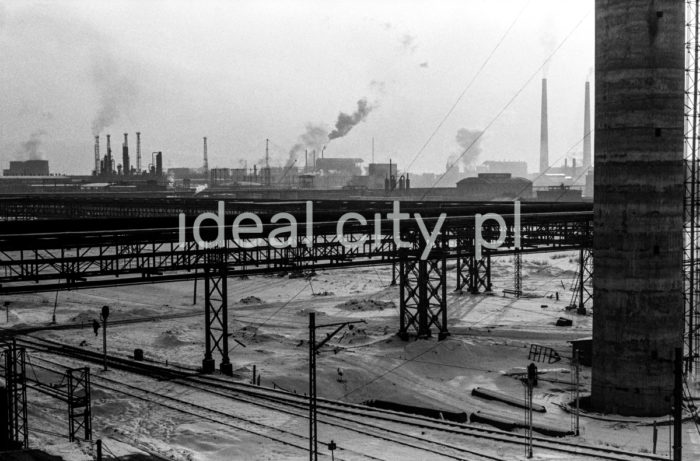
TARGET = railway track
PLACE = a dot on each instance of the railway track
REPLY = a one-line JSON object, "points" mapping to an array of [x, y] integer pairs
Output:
{"points": [[341, 413], [258, 428]]}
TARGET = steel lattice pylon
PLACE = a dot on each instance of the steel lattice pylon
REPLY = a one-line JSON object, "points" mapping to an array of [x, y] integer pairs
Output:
{"points": [[16, 393], [79, 408], [474, 274], [216, 313], [423, 296], [690, 204], [582, 292]]}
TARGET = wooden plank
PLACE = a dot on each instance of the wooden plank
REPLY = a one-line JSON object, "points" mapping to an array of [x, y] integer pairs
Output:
{"points": [[505, 398]]}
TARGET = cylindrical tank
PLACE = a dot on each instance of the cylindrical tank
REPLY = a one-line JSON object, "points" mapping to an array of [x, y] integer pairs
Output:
{"points": [[638, 211]]}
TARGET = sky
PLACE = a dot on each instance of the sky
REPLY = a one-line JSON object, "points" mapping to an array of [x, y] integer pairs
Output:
{"points": [[246, 71]]}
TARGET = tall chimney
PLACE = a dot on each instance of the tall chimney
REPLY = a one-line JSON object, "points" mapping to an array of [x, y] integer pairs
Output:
{"points": [[125, 156], [138, 152], [108, 163], [587, 128], [97, 155], [206, 160], [544, 137]]}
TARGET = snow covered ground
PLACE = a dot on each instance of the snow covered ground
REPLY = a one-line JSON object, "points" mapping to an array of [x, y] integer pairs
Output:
{"points": [[489, 343]]}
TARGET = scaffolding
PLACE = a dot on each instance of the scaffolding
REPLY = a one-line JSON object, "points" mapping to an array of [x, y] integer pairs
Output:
{"points": [[15, 434], [690, 204]]}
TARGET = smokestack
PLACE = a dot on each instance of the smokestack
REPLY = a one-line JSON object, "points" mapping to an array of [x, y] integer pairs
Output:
{"points": [[97, 155], [206, 161], [108, 163], [159, 164], [138, 151], [544, 135], [125, 156], [587, 128]]}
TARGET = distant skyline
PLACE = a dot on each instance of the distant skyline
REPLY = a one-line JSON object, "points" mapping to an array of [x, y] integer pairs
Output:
{"points": [[240, 72]]}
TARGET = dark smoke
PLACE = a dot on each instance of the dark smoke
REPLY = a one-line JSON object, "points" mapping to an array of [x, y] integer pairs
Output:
{"points": [[346, 122], [470, 142], [30, 148], [117, 90], [314, 138]]}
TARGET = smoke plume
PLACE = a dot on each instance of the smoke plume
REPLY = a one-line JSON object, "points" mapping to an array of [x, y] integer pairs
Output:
{"points": [[29, 149], [408, 42], [314, 138], [346, 122], [117, 90], [470, 143]]}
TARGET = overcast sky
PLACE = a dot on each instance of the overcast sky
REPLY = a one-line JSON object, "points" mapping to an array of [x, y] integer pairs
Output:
{"points": [[240, 72]]}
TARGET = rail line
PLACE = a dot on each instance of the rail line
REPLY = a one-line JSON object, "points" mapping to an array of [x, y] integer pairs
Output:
{"points": [[342, 411], [200, 411]]}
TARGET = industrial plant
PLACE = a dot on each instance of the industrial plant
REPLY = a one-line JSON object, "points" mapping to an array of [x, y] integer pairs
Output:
{"points": [[216, 289]]}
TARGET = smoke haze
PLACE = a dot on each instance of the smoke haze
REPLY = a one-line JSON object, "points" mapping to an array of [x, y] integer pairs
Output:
{"points": [[115, 88], [315, 137], [30, 149], [470, 143]]}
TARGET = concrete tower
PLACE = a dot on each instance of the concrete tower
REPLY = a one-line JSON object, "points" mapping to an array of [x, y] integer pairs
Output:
{"points": [[544, 131], [206, 159], [638, 212], [126, 166], [587, 128], [138, 152], [97, 155]]}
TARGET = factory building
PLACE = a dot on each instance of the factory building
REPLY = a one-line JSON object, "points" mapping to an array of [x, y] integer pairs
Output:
{"points": [[27, 168], [494, 186], [516, 169]]}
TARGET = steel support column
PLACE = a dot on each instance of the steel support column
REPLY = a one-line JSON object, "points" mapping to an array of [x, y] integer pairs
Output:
{"points": [[79, 408], [423, 292], [16, 388], [518, 274], [473, 274], [216, 314], [582, 298]]}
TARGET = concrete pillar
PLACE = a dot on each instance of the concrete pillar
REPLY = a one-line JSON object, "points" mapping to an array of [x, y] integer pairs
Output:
{"points": [[638, 237]]}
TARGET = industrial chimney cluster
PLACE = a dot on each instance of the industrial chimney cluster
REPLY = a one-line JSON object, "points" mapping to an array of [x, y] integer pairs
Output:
{"points": [[106, 166], [544, 131]]}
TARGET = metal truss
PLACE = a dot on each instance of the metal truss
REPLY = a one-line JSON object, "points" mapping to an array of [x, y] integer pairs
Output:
{"points": [[690, 205], [216, 313], [518, 274], [473, 274], [543, 354], [423, 296], [72, 260], [150, 205], [79, 407], [582, 292], [16, 396]]}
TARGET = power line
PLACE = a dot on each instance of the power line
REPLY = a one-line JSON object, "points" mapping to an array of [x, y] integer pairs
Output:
{"points": [[508, 104], [459, 98], [276, 312]]}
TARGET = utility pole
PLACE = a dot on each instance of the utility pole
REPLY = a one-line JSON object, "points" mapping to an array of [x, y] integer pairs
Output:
{"points": [[313, 350], [576, 391], [105, 314], [678, 405], [267, 162], [313, 427], [530, 383]]}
